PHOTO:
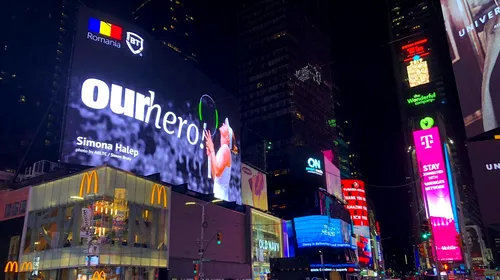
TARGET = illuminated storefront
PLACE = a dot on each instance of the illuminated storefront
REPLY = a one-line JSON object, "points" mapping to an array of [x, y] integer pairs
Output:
{"points": [[267, 242], [104, 223]]}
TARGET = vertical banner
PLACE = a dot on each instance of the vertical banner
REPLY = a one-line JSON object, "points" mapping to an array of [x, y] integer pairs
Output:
{"points": [[86, 226], [436, 193]]}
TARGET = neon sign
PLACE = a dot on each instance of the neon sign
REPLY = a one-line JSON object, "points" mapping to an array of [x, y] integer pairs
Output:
{"points": [[418, 72], [421, 99], [426, 123], [314, 166], [413, 49]]}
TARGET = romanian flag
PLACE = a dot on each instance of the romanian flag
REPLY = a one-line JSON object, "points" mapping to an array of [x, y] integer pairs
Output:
{"points": [[105, 28]]}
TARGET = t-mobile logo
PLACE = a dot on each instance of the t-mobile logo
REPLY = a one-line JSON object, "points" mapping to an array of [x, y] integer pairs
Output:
{"points": [[426, 141]]}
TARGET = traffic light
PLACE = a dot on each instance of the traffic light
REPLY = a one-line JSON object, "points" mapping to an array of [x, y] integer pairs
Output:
{"points": [[195, 270], [219, 238], [426, 230]]}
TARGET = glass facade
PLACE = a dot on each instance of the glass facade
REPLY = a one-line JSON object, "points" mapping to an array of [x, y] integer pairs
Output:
{"points": [[118, 219], [267, 242]]}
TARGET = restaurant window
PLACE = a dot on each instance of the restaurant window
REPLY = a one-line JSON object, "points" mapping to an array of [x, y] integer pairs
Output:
{"points": [[15, 209], [7, 210]]}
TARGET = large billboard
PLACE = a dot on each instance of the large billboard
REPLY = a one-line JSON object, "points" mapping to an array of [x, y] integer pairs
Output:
{"points": [[332, 176], [485, 163], [474, 47], [436, 192], [355, 195], [319, 230], [135, 104], [253, 187]]}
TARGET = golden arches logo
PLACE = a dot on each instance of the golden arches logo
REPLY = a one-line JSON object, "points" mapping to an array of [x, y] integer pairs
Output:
{"points": [[12, 266], [159, 190], [87, 178], [99, 275], [27, 266]]}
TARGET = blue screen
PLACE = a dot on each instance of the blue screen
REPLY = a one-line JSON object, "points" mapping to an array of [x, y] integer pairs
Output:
{"points": [[313, 231]]}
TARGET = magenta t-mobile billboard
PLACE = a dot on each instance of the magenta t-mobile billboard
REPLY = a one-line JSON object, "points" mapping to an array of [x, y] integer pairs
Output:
{"points": [[437, 193]]}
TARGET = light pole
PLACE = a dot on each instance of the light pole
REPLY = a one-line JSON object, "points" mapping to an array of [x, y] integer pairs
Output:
{"points": [[201, 250]]}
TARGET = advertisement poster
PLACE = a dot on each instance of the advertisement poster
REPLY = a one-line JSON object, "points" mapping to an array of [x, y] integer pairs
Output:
{"points": [[474, 42], [355, 195], [332, 174], [437, 193], [485, 163], [474, 243], [136, 104], [253, 187], [316, 231]]}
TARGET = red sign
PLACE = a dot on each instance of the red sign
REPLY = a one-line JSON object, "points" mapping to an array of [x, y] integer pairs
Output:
{"points": [[413, 49], [354, 194]]}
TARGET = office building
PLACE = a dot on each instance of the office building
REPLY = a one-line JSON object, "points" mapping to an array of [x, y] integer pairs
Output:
{"points": [[285, 90]]}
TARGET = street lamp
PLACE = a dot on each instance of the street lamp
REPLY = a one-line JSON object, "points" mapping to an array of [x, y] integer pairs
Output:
{"points": [[203, 226]]}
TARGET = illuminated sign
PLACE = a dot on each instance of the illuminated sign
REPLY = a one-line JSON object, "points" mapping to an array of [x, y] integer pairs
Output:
{"points": [[314, 166], [148, 116], [321, 230], [308, 72], [159, 190], [12, 266], [436, 193], [111, 35], [87, 178], [99, 275], [421, 99], [413, 49], [269, 245], [418, 72], [354, 194], [426, 123]]}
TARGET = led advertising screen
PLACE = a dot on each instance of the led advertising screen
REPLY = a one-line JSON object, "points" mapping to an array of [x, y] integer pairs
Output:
{"points": [[136, 104], [471, 28], [317, 231], [436, 191], [485, 163], [354, 194], [332, 176], [253, 187]]}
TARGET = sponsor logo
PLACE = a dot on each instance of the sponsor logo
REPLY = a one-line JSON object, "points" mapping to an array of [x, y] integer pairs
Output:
{"points": [[99, 275], [111, 34], [87, 178], [159, 190], [135, 43], [12, 266]]}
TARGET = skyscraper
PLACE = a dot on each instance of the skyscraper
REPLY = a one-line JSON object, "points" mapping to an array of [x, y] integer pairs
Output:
{"points": [[427, 95], [285, 82]]}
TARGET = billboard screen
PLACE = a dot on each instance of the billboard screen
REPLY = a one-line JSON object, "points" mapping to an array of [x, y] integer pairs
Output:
{"points": [[354, 194], [317, 231], [474, 47], [436, 191], [332, 176], [136, 104], [485, 163], [253, 187]]}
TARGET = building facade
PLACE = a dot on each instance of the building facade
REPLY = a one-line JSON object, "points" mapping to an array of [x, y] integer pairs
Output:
{"points": [[103, 220]]}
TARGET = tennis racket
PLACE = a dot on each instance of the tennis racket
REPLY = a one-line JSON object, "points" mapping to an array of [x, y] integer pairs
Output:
{"points": [[209, 117]]}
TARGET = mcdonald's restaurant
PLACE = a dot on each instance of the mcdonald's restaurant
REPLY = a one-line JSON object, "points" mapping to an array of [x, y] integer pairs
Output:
{"points": [[101, 224]]}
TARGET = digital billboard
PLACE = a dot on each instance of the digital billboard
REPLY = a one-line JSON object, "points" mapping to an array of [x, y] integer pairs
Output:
{"points": [[253, 187], [354, 194], [135, 104], [471, 28], [318, 230], [484, 159], [332, 176], [436, 192]]}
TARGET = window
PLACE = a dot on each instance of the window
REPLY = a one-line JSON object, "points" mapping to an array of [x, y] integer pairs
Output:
{"points": [[15, 209], [7, 210], [22, 209]]}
